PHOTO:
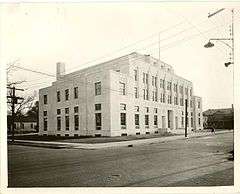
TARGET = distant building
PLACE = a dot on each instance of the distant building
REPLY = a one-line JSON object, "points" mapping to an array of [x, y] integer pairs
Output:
{"points": [[22, 124], [131, 95], [219, 118]]}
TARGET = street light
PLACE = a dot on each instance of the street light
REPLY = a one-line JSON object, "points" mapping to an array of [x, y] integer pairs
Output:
{"points": [[209, 44], [223, 40]]}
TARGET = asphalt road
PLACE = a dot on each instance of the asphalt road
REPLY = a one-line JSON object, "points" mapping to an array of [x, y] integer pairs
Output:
{"points": [[191, 162]]}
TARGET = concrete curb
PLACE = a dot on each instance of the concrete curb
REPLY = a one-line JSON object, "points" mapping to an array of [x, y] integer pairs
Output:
{"points": [[129, 143]]}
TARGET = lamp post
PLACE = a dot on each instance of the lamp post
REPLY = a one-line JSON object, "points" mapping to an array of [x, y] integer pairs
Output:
{"points": [[225, 41]]}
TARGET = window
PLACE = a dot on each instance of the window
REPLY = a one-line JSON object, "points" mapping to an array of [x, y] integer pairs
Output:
{"points": [[58, 123], [67, 123], [66, 110], [58, 111], [136, 92], [145, 94], [136, 119], [45, 124], [145, 78], [191, 92], [135, 75], [122, 106], [76, 109], [169, 99], [147, 109], [153, 80], [76, 122], [58, 96], [191, 122], [169, 85], [161, 83], [45, 99], [153, 95], [98, 88], [136, 108], [31, 126], [147, 120], [155, 110], [123, 119], [199, 105], [98, 107], [98, 120], [182, 121], [181, 101], [155, 121], [186, 91], [76, 92], [45, 113], [199, 121], [22, 125], [122, 88], [181, 89], [67, 94], [191, 103]]}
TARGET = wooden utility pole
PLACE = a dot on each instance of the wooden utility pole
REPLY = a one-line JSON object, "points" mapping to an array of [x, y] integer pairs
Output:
{"points": [[14, 100], [186, 116]]}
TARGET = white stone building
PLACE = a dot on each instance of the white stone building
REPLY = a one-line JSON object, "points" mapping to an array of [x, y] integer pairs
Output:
{"points": [[131, 95]]}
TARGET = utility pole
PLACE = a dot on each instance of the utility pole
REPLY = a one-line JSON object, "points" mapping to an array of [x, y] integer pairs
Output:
{"points": [[186, 117], [14, 100]]}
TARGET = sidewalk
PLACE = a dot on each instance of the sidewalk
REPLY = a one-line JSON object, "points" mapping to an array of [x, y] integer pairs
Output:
{"points": [[59, 145]]}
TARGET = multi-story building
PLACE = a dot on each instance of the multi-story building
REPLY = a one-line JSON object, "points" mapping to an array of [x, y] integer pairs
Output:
{"points": [[131, 95]]}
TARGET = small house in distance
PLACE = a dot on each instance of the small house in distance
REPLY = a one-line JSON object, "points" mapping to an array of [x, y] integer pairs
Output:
{"points": [[22, 124]]}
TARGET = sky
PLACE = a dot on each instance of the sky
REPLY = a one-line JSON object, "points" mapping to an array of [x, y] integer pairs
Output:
{"points": [[37, 36]]}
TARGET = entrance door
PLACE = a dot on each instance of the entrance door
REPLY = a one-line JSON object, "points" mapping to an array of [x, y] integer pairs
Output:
{"points": [[170, 119], [163, 122], [176, 122]]}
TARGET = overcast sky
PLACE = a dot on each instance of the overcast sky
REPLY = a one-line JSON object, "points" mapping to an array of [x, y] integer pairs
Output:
{"points": [[39, 35]]}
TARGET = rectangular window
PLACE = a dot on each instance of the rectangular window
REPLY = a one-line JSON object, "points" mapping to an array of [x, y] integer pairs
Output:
{"points": [[199, 121], [182, 121], [98, 107], [144, 94], [66, 110], [122, 106], [147, 78], [122, 88], [31, 126], [161, 83], [136, 119], [123, 119], [136, 92], [67, 123], [153, 96], [191, 92], [144, 77], [98, 120], [199, 105], [67, 94], [136, 108], [147, 94], [98, 88], [45, 99], [155, 110], [191, 122], [58, 96], [76, 109], [147, 109], [181, 89], [186, 91], [58, 111], [76, 92], [169, 85], [135, 75], [76, 122], [155, 120], [45, 124], [146, 120], [153, 79], [58, 123], [45, 113]]}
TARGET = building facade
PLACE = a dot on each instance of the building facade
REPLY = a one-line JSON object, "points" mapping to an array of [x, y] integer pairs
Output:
{"points": [[131, 95]]}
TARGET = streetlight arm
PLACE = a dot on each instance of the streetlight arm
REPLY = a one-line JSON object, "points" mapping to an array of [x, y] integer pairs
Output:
{"points": [[221, 40]]}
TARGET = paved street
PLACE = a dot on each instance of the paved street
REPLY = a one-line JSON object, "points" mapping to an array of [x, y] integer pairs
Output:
{"points": [[190, 162]]}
